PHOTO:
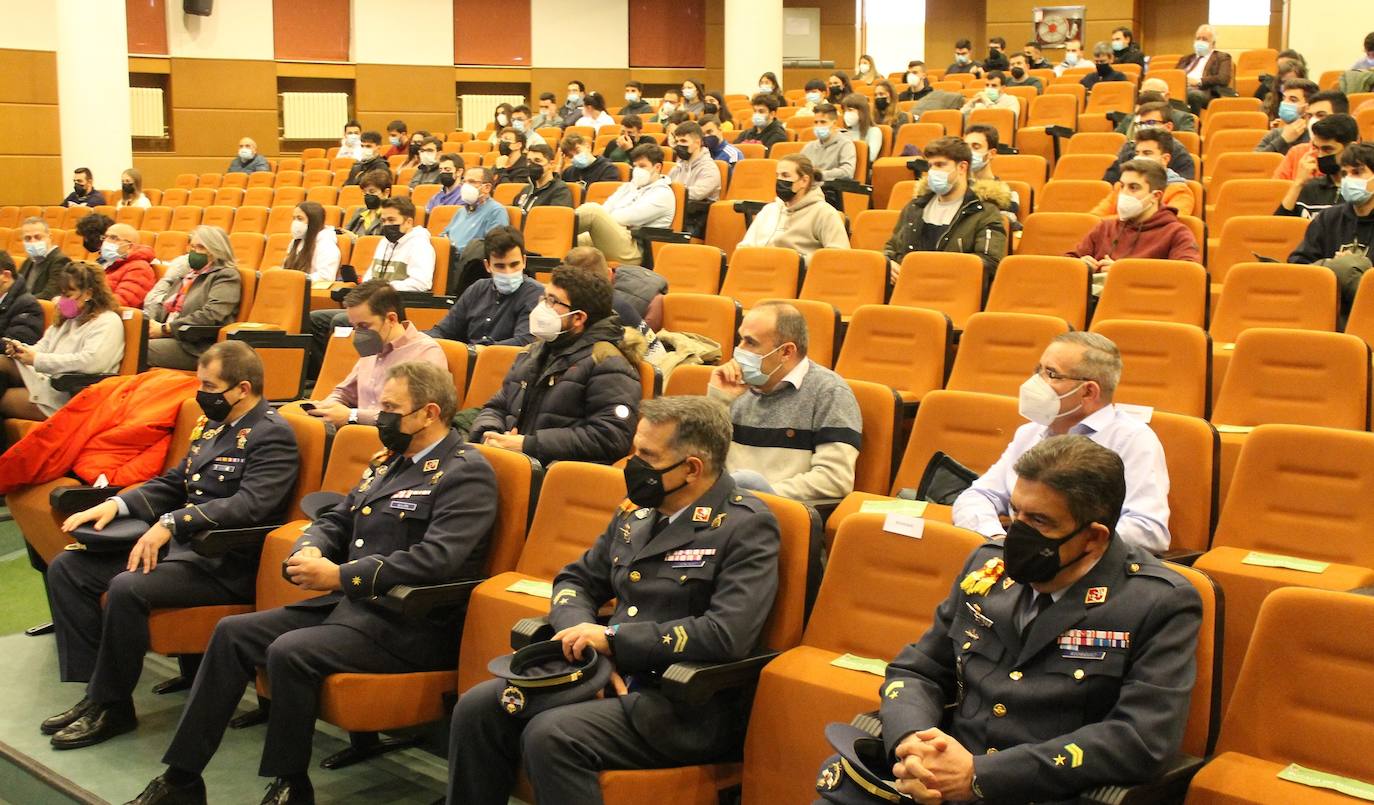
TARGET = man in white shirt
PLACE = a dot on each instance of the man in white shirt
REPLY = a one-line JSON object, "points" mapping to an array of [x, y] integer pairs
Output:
{"points": [[351, 146], [646, 200], [1073, 57], [1071, 392]]}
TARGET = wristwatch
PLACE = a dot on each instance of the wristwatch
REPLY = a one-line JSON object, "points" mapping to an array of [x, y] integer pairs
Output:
{"points": [[168, 522], [610, 637], [353, 416]]}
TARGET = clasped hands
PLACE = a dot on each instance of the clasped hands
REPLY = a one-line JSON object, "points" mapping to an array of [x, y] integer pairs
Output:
{"points": [[576, 638], [933, 767], [308, 569]]}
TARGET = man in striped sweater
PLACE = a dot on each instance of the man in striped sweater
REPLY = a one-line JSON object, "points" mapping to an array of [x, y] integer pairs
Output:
{"points": [[797, 424]]}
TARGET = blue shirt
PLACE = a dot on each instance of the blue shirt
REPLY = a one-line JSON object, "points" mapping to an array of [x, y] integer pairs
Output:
{"points": [[447, 198], [468, 224], [727, 153]]}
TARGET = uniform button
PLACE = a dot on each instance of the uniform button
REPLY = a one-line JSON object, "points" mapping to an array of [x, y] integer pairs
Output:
{"points": [[367, 510], [632, 611], [1135, 567], [634, 575], [1078, 674], [968, 646], [196, 477], [200, 492], [681, 578], [999, 709], [1015, 676], [221, 478], [992, 750], [357, 543]]}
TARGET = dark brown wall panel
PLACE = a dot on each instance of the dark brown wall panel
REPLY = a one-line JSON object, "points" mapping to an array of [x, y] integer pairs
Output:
{"points": [[147, 24], [667, 33], [491, 33], [387, 87], [310, 30]]}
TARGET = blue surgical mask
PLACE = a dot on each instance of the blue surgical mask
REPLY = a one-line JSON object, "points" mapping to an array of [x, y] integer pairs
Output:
{"points": [[395, 141], [980, 160], [632, 97], [109, 252], [1355, 190], [993, 94], [960, 58], [689, 93], [574, 98], [518, 125], [1200, 47], [759, 120], [822, 132], [507, 283], [36, 249], [751, 366], [1288, 111], [1118, 46], [813, 97], [582, 159], [939, 181]]}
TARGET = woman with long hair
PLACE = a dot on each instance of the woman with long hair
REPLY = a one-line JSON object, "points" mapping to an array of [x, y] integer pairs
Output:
{"points": [[202, 288], [314, 247], [131, 190]]}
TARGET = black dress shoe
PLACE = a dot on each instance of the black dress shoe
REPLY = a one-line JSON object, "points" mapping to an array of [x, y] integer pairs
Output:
{"points": [[161, 792], [285, 791], [66, 717], [40, 630], [101, 723]]}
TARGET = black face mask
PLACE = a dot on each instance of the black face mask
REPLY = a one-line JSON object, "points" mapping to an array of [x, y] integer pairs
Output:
{"points": [[1018, 73], [126, 187], [503, 148], [1032, 557], [371, 201], [710, 109], [391, 232], [1104, 70], [93, 242], [836, 92], [389, 431], [644, 484], [78, 189], [414, 149], [536, 171], [881, 103], [682, 152], [214, 404], [447, 179], [785, 191], [1328, 164]]}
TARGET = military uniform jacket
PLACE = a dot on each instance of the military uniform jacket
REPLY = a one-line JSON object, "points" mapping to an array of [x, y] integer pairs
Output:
{"points": [[234, 476], [1097, 694], [698, 592], [427, 523]]}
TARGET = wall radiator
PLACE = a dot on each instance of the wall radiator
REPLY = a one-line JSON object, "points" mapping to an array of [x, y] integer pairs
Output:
{"points": [[476, 111], [313, 115], [146, 112]]}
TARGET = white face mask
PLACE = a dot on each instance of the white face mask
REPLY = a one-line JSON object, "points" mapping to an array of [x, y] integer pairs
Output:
{"points": [[1039, 402], [426, 158], [245, 154], [367, 153], [851, 119], [1071, 58], [545, 323], [352, 140], [640, 177], [863, 68], [298, 229], [469, 194], [1128, 207]]}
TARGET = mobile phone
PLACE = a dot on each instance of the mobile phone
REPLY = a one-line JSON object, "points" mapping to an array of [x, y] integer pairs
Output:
{"points": [[307, 406]]}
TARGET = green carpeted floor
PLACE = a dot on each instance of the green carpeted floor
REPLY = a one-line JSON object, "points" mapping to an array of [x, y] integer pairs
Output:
{"points": [[21, 586]]}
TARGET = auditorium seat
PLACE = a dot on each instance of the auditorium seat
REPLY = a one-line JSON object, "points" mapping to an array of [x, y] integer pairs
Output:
{"points": [[880, 407], [690, 268], [999, 351], [1071, 195], [901, 347], [1082, 167], [1165, 365], [950, 282], [823, 329], [753, 180], [756, 273], [873, 228], [1191, 453], [549, 231], [487, 373], [724, 226], [1055, 233], [715, 317], [157, 219], [1141, 289], [846, 278], [1042, 285]]}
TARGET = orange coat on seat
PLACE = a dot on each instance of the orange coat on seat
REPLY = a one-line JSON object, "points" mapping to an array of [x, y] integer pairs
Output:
{"points": [[120, 427]]}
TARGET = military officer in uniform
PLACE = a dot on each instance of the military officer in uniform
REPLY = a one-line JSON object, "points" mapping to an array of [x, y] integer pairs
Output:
{"points": [[423, 515], [240, 471], [692, 564], [1062, 660]]}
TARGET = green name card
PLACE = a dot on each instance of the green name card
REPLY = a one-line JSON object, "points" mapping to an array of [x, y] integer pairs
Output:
{"points": [[1317, 779], [868, 665], [915, 508], [538, 589], [1285, 562]]}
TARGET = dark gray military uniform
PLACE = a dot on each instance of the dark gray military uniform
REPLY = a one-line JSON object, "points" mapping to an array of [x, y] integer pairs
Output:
{"points": [[1097, 693], [234, 476], [413, 523], [699, 591]]}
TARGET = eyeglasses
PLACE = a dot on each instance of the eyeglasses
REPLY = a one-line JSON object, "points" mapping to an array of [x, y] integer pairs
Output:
{"points": [[1051, 374], [553, 300]]}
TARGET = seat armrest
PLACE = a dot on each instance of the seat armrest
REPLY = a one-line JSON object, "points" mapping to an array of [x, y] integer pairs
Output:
{"points": [[530, 630], [1181, 556], [695, 683], [73, 499], [197, 332], [660, 234], [223, 540], [1363, 591], [317, 503], [1170, 786], [419, 601], [75, 382], [851, 186]]}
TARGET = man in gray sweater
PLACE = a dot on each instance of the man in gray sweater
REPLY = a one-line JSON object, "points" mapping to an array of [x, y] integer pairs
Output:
{"points": [[831, 152], [797, 427]]}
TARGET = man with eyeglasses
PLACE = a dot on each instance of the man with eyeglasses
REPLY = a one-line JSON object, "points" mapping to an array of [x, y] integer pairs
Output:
{"points": [[128, 265], [427, 172], [477, 215], [1149, 115], [1071, 393]]}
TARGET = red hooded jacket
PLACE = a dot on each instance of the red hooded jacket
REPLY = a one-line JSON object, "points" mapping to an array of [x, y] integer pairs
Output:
{"points": [[1162, 237], [131, 277]]}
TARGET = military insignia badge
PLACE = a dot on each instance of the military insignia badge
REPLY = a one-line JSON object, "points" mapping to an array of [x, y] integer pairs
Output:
{"points": [[720, 518], [199, 429], [1007, 582], [830, 777], [625, 532], [431, 465], [980, 581], [641, 514], [701, 514], [434, 479], [512, 700], [243, 437], [1096, 595]]}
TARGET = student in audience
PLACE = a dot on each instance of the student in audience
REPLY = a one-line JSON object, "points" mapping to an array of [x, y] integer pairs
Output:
{"points": [[44, 259], [201, 289], [577, 162], [950, 213], [769, 85], [715, 107], [1153, 115], [983, 141], [963, 59], [773, 391], [1208, 70], [631, 134], [574, 394], [693, 96], [451, 170], [21, 317], [672, 102], [634, 100], [1018, 74], [594, 112], [917, 87], [83, 192], [1367, 61], [131, 190], [571, 110], [637, 292], [765, 128], [103, 646], [412, 159], [1290, 127], [128, 265], [496, 309], [885, 111], [314, 248], [798, 218], [546, 189], [646, 200], [548, 116], [87, 337], [398, 139], [248, 160], [1124, 48], [91, 227], [1322, 105], [427, 163], [865, 72], [1270, 89], [351, 146], [838, 87], [713, 137], [1102, 61], [383, 338], [1064, 547], [501, 118], [370, 159], [478, 214], [815, 96], [341, 632], [1308, 196], [1340, 237], [521, 121], [997, 55], [1156, 90], [511, 164], [1035, 58], [1073, 57], [1154, 143], [679, 495], [376, 187], [1143, 227], [859, 126], [696, 171], [993, 97], [832, 153]]}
